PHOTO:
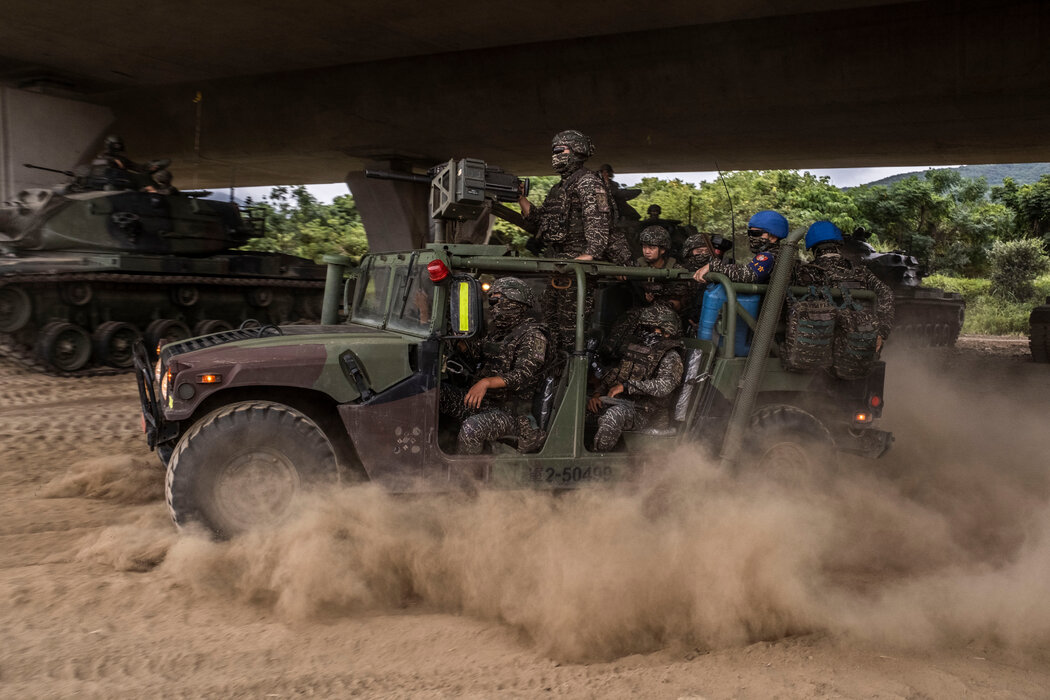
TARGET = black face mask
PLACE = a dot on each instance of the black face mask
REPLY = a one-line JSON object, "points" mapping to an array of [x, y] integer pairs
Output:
{"points": [[506, 313], [650, 337]]}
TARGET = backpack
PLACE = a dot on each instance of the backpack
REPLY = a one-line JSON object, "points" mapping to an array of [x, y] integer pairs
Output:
{"points": [[855, 339], [810, 332]]}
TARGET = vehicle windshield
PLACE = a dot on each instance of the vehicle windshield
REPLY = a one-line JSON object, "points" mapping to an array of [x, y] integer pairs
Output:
{"points": [[413, 302], [373, 289]]}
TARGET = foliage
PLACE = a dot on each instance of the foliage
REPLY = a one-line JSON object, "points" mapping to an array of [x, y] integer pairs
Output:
{"points": [[298, 224], [1015, 266], [971, 289], [1030, 204]]}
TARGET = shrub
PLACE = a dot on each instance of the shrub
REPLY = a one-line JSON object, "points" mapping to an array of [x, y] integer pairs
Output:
{"points": [[1015, 266]]}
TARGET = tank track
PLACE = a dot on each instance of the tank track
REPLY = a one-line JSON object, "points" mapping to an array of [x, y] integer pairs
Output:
{"points": [[1039, 332], [929, 322], [24, 354]]}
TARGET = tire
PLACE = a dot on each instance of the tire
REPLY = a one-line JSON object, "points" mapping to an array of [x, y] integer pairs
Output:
{"points": [[114, 342], [788, 440], [241, 467], [63, 346], [164, 331], [15, 309]]}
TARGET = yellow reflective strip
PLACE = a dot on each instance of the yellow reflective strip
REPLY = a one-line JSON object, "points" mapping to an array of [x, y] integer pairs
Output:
{"points": [[464, 307]]}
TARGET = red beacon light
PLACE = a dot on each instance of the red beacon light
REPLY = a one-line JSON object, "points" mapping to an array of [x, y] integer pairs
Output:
{"points": [[437, 270]]}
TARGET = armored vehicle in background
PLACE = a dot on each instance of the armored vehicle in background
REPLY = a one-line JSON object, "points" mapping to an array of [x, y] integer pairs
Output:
{"points": [[1039, 332], [246, 419], [924, 316], [85, 274]]}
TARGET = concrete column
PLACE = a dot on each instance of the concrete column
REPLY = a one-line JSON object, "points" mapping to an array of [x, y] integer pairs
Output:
{"points": [[395, 213], [54, 132]]}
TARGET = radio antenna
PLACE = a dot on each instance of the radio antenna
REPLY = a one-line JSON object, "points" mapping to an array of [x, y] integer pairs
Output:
{"points": [[732, 209]]}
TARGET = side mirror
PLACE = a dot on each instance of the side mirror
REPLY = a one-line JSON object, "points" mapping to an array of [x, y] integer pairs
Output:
{"points": [[465, 310]]}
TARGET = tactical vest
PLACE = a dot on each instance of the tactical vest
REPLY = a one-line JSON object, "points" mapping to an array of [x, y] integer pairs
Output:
{"points": [[499, 359], [640, 362], [809, 332], [554, 219]]}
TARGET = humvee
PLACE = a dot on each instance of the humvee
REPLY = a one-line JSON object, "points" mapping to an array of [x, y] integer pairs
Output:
{"points": [[245, 419]]}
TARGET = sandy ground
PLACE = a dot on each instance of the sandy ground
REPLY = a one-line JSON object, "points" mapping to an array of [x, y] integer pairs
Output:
{"points": [[922, 575]]}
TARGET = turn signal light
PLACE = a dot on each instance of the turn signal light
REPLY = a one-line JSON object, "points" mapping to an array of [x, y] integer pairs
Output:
{"points": [[861, 417], [209, 379], [437, 270]]}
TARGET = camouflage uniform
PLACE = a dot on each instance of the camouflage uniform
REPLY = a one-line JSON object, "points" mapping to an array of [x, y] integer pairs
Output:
{"points": [[650, 372], [515, 351], [575, 219], [756, 271], [831, 269], [694, 290]]}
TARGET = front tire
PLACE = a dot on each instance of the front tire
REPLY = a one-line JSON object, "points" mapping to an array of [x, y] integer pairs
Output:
{"points": [[241, 467]]}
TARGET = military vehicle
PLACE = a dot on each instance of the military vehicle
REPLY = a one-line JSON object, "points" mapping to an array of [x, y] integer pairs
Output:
{"points": [[85, 273], [925, 316], [1039, 332], [246, 419]]}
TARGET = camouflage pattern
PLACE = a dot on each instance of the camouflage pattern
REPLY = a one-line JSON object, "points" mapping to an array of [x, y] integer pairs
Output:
{"points": [[655, 235], [579, 143], [809, 333], [516, 352], [575, 218], [831, 269], [513, 289], [661, 317], [671, 293], [755, 271], [559, 312], [650, 375]]}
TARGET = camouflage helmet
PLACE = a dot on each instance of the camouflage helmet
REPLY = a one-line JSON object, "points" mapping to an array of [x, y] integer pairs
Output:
{"points": [[513, 289], [659, 316], [655, 235], [576, 141], [114, 144], [162, 177], [694, 241]]}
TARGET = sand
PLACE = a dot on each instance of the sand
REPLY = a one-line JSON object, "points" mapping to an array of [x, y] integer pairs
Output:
{"points": [[921, 575]]}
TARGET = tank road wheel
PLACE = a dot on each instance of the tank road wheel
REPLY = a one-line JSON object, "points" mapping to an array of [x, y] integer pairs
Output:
{"points": [[15, 309], [211, 326], [77, 293], [164, 331], [185, 295], [260, 297], [788, 440], [241, 466], [63, 346], [113, 341]]}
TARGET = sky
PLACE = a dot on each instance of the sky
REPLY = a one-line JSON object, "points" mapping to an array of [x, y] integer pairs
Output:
{"points": [[840, 177]]}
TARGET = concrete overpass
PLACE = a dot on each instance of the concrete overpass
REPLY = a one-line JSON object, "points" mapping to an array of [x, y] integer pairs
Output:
{"points": [[312, 92]]}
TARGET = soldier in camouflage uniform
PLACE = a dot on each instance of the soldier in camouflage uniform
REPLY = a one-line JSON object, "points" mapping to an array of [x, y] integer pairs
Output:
{"points": [[575, 222], [831, 269], [695, 255], [512, 356], [648, 374], [765, 229]]}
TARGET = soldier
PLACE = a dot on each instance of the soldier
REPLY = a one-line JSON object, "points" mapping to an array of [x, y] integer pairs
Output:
{"points": [[648, 373], [160, 183], [655, 245], [696, 255], [831, 269], [764, 229], [575, 222], [622, 210], [512, 355]]}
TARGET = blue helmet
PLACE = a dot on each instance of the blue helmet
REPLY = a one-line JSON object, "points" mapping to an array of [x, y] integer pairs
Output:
{"points": [[822, 232], [771, 222]]}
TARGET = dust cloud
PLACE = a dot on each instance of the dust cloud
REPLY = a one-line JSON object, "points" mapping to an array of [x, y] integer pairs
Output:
{"points": [[118, 478], [944, 541]]}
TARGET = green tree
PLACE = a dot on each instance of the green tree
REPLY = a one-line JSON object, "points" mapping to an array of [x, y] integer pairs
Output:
{"points": [[298, 224], [1015, 265]]}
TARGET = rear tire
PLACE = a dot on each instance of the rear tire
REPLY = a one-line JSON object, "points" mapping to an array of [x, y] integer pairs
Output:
{"points": [[63, 346], [241, 467], [789, 440], [114, 342]]}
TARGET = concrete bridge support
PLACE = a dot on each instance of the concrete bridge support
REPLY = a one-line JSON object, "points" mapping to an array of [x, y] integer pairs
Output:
{"points": [[50, 131]]}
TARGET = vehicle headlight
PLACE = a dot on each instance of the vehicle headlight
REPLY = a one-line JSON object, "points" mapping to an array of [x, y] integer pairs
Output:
{"points": [[156, 371], [164, 382]]}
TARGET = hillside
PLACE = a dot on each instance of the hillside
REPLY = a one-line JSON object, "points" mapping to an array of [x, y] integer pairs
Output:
{"points": [[1022, 173]]}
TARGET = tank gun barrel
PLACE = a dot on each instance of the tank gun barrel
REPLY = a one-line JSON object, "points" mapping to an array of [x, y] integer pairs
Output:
{"points": [[67, 173]]}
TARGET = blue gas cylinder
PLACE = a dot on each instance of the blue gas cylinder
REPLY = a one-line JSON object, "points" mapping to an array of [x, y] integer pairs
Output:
{"points": [[714, 300]]}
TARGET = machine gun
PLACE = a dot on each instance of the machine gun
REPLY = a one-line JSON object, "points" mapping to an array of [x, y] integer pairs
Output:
{"points": [[461, 189]]}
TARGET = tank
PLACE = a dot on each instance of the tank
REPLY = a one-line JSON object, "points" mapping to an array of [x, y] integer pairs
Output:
{"points": [[85, 274], [1039, 332], [924, 316]]}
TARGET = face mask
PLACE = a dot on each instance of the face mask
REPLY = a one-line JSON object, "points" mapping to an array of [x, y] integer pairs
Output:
{"points": [[651, 337], [506, 313], [563, 162]]}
